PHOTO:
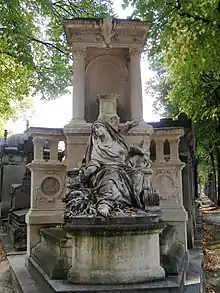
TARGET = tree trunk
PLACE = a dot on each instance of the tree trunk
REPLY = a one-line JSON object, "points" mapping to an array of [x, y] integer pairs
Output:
{"points": [[212, 159], [218, 174]]}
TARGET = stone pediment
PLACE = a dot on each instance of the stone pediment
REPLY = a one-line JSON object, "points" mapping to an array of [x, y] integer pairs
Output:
{"points": [[114, 33]]}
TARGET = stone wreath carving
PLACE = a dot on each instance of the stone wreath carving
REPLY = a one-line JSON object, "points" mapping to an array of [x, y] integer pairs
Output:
{"points": [[112, 179]]}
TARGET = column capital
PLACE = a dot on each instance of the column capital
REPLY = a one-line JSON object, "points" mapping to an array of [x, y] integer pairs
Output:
{"points": [[38, 139], [79, 51], [135, 52]]}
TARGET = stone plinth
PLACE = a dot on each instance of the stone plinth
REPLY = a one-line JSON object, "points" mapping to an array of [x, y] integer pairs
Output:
{"points": [[172, 251], [47, 190], [167, 179], [77, 136], [115, 250], [108, 109]]}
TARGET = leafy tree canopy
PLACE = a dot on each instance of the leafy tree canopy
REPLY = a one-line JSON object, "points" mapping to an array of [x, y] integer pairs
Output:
{"points": [[34, 57], [183, 49], [184, 40]]}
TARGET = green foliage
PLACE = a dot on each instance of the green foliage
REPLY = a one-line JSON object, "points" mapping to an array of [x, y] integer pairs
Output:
{"points": [[183, 49], [184, 39], [34, 57]]}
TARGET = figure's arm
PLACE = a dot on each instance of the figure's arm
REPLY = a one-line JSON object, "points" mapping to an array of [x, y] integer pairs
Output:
{"points": [[128, 126], [135, 150], [89, 170]]}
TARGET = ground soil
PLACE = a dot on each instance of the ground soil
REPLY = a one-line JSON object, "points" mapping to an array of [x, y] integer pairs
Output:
{"points": [[211, 240], [6, 285]]}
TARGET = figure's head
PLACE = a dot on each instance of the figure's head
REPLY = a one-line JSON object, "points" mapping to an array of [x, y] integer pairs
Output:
{"points": [[99, 129]]}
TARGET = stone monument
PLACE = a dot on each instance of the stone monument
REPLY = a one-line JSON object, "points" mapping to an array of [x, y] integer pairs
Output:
{"points": [[99, 229], [106, 61]]}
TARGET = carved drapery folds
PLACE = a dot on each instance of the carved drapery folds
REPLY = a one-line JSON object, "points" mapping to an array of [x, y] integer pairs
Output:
{"points": [[114, 178]]}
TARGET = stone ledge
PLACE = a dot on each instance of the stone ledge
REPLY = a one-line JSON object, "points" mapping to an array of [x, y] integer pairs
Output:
{"points": [[114, 225], [168, 285], [56, 235], [25, 282]]}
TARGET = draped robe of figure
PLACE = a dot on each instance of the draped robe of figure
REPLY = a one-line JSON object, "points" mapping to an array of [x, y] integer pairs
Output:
{"points": [[116, 179]]}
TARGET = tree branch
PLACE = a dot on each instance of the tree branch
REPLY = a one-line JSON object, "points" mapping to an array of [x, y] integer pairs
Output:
{"points": [[199, 18], [196, 17], [64, 9], [47, 44], [7, 53], [178, 4]]}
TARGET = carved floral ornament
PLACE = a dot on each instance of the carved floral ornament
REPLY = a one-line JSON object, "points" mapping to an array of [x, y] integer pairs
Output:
{"points": [[80, 51], [50, 187], [134, 52], [107, 27]]}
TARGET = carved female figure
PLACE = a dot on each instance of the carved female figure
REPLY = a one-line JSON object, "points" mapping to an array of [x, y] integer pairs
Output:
{"points": [[113, 169]]}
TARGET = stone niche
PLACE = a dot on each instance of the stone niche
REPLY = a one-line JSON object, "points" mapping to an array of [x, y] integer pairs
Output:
{"points": [[107, 71], [106, 55], [106, 62]]}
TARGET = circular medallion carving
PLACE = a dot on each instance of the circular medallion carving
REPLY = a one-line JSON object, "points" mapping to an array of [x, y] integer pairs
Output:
{"points": [[50, 186], [165, 185]]}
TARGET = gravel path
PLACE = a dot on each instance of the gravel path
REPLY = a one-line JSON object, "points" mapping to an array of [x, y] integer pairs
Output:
{"points": [[211, 237], [5, 278]]}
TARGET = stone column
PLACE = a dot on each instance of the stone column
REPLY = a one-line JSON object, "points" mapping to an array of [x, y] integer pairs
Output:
{"points": [[135, 85], [78, 85], [159, 149], [54, 148], [38, 143], [174, 149]]}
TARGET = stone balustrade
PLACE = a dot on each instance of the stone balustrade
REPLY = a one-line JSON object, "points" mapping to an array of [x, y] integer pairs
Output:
{"points": [[46, 139], [165, 144], [166, 166]]}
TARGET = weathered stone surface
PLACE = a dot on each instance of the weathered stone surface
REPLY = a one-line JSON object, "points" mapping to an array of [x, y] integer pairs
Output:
{"points": [[168, 285], [172, 251], [115, 250], [53, 253], [114, 175], [46, 208]]}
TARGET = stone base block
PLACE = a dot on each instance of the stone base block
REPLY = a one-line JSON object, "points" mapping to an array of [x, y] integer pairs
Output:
{"points": [[117, 250], [17, 230], [52, 252], [172, 251], [46, 285]]}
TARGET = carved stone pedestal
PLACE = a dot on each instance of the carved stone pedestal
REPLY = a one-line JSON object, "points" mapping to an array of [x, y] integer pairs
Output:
{"points": [[47, 208], [118, 250]]}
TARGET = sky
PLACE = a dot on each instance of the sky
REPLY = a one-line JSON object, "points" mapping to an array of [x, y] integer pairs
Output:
{"points": [[58, 113]]}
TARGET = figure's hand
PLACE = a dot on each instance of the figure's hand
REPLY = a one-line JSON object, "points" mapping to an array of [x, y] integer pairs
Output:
{"points": [[86, 173], [133, 123], [135, 150], [129, 125], [104, 210], [90, 170]]}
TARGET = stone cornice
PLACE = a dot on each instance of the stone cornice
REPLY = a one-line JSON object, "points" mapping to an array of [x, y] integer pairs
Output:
{"points": [[115, 33], [44, 132]]}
